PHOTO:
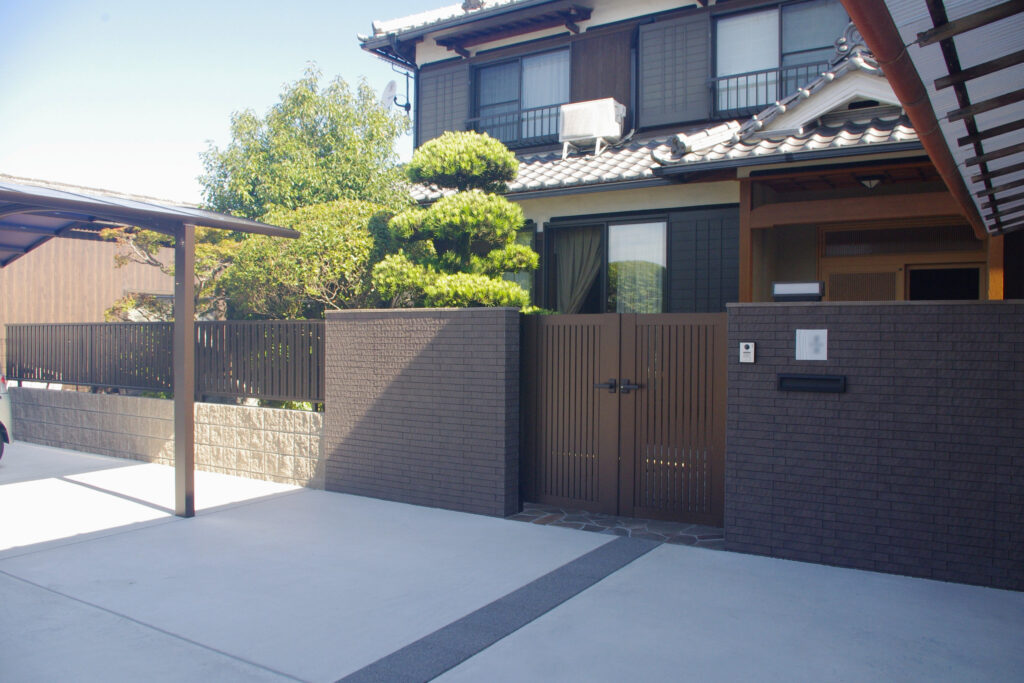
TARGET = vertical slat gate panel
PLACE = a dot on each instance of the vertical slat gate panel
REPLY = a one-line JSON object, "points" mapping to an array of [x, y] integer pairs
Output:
{"points": [[678, 449], [566, 462]]}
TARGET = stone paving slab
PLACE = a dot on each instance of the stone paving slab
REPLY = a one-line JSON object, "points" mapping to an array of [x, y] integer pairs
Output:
{"points": [[448, 647], [313, 586], [51, 637], [676, 533], [680, 614], [310, 583]]}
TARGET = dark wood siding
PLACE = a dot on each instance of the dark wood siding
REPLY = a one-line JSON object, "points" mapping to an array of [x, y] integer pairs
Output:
{"points": [[601, 66], [443, 93], [674, 69], [1013, 265], [703, 259], [71, 281]]}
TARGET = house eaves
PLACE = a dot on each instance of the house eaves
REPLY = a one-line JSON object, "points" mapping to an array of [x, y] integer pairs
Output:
{"points": [[389, 36]]}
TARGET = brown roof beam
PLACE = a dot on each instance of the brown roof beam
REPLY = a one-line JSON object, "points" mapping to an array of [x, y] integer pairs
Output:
{"points": [[859, 169], [1003, 200], [1017, 223], [991, 133], [888, 207], [567, 17], [970, 22], [992, 156], [980, 70], [987, 105], [1000, 215], [995, 173], [1001, 188]]}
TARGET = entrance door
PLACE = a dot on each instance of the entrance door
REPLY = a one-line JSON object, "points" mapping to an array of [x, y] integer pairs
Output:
{"points": [[625, 414]]}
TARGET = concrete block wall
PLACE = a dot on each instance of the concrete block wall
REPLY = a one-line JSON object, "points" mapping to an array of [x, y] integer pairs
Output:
{"points": [[259, 443], [917, 469], [422, 407]]}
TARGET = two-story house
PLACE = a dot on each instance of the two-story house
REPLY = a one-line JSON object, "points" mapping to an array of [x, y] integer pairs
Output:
{"points": [[675, 156]]}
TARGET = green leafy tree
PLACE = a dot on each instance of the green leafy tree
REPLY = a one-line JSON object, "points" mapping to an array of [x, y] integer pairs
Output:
{"points": [[314, 146], [327, 268], [455, 252], [215, 250]]}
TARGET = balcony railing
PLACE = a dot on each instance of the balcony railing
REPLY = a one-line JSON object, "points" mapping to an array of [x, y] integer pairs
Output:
{"points": [[746, 94], [522, 128]]}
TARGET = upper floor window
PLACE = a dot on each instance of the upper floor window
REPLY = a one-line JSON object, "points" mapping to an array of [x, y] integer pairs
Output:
{"points": [[518, 101], [765, 55]]}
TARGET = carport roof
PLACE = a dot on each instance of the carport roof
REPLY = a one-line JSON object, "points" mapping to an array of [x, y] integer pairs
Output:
{"points": [[31, 214]]}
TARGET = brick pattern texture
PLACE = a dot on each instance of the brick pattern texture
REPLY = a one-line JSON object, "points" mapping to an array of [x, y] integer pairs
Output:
{"points": [[422, 407], [258, 443], [917, 469]]}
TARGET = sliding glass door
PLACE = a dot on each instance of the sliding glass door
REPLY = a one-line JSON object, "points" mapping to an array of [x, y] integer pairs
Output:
{"points": [[609, 268]]}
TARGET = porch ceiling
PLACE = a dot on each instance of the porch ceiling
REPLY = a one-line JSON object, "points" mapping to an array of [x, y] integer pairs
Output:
{"points": [[858, 178], [966, 54]]}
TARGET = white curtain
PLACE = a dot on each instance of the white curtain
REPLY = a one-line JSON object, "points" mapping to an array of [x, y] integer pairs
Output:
{"points": [[545, 82], [745, 43]]}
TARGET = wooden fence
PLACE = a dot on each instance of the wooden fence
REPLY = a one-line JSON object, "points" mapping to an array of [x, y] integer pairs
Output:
{"points": [[275, 360]]}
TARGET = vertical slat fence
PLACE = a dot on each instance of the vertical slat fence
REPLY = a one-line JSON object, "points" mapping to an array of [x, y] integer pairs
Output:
{"points": [[273, 360]]}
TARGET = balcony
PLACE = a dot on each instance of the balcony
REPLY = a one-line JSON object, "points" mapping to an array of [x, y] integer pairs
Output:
{"points": [[521, 128], [748, 93]]}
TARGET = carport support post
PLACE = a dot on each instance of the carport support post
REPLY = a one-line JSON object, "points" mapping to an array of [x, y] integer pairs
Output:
{"points": [[184, 370]]}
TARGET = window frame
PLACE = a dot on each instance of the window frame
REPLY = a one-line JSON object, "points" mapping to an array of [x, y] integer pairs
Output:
{"points": [[476, 84], [899, 263], [604, 221], [782, 53]]}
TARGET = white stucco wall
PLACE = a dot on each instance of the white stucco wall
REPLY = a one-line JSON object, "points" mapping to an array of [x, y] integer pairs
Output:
{"points": [[544, 209]]}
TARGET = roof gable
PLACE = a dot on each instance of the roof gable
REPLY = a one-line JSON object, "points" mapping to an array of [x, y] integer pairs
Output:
{"points": [[833, 96]]}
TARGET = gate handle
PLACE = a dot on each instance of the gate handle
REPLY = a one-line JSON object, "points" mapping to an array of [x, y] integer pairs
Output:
{"points": [[609, 385], [626, 387]]}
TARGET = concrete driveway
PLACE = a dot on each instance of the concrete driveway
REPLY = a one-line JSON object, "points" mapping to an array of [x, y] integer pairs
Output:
{"points": [[100, 582]]}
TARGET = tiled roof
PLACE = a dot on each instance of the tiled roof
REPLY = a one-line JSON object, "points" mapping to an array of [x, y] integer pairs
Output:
{"points": [[701, 146], [631, 160], [431, 17], [637, 159], [855, 133]]}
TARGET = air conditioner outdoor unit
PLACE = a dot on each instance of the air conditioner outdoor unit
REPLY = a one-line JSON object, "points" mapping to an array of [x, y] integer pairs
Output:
{"points": [[594, 122]]}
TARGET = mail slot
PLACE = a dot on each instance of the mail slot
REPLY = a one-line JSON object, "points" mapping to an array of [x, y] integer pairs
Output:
{"points": [[825, 384]]}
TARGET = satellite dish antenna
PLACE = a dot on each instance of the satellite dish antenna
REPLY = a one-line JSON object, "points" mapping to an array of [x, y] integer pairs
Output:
{"points": [[387, 98]]}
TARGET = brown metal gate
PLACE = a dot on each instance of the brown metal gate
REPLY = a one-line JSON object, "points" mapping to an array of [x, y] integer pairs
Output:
{"points": [[625, 414]]}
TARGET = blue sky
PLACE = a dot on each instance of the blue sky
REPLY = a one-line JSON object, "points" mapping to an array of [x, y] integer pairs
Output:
{"points": [[125, 94]]}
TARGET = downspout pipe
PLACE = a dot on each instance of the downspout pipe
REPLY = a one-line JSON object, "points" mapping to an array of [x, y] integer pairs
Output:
{"points": [[875, 24]]}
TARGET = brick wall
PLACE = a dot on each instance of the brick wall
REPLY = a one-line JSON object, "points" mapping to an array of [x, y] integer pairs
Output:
{"points": [[422, 407], [259, 443], [917, 469]]}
